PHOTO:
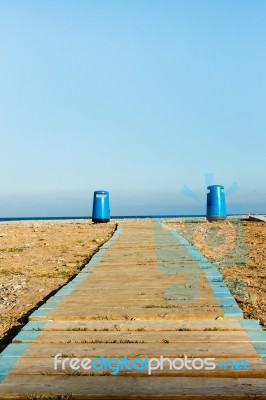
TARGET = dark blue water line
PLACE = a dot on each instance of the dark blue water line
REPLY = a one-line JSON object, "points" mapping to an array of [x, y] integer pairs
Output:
{"points": [[112, 217]]}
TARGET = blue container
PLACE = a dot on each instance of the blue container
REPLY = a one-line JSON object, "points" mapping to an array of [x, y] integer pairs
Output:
{"points": [[216, 209], [101, 208]]}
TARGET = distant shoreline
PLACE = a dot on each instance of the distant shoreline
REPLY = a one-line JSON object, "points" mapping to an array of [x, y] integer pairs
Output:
{"points": [[9, 219]]}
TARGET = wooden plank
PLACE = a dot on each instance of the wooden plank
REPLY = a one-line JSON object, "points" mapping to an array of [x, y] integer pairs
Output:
{"points": [[45, 366], [148, 280], [162, 307], [182, 288], [149, 325], [161, 281], [134, 269], [117, 286], [151, 278], [124, 304], [106, 290], [138, 266], [137, 295], [128, 312], [116, 387], [133, 300], [193, 280], [141, 243], [111, 314], [125, 252], [141, 277], [120, 264], [139, 349], [133, 296], [139, 259], [140, 337]]}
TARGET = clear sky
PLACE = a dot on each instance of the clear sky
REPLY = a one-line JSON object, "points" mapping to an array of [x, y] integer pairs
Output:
{"points": [[138, 97]]}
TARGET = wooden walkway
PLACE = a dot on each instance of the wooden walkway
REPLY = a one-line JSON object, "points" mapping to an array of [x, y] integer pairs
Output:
{"points": [[149, 298]]}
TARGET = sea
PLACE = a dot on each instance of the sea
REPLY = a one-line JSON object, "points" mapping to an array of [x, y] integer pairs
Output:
{"points": [[112, 217]]}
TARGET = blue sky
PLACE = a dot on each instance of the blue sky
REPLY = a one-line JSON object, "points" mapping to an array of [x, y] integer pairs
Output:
{"points": [[136, 97]]}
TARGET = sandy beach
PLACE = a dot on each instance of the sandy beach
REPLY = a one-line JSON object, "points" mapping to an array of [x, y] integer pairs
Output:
{"points": [[38, 257]]}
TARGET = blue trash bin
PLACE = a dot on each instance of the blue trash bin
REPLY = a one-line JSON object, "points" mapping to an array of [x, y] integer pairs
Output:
{"points": [[101, 207], [216, 208]]}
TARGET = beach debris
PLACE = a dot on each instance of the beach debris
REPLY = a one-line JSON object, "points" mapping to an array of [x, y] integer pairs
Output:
{"points": [[9, 292]]}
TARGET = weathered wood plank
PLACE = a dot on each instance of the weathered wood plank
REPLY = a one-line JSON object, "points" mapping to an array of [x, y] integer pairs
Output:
{"points": [[45, 366], [133, 299], [184, 302], [127, 314], [84, 387], [149, 325], [140, 349], [223, 337]]}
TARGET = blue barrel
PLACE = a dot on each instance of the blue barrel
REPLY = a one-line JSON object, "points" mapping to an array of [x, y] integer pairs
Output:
{"points": [[216, 209], [101, 207]]}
